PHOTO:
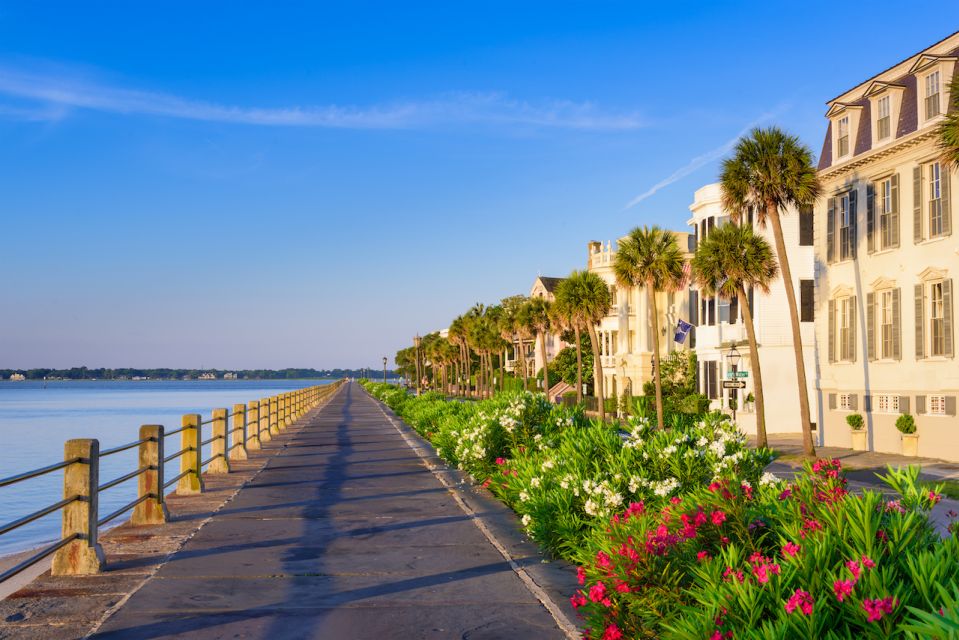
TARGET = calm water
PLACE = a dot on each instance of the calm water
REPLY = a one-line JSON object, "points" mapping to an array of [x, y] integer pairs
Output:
{"points": [[36, 418]]}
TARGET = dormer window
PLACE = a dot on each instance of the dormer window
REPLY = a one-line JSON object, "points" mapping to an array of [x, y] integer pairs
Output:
{"points": [[843, 138], [884, 121], [932, 95]]}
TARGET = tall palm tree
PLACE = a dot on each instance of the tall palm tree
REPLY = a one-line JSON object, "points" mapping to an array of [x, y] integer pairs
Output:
{"points": [[948, 130], [729, 261], [539, 316], [510, 329], [559, 316], [771, 171], [526, 328], [587, 299], [457, 336], [650, 257]]}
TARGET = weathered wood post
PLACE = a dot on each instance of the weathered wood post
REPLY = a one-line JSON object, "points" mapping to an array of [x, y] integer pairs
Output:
{"points": [[190, 438], [265, 435], [288, 409], [274, 415], [152, 510], [219, 462], [253, 432], [238, 438], [281, 411], [83, 555]]}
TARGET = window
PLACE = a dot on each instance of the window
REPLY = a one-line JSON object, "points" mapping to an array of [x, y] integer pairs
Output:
{"points": [[886, 403], [883, 126], [845, 329], [937, 333], [935, 200], [711, 379], [845, 402], [805, 226], [845, 227], [932, 95], [937, 405], [886, 324], [843, 138], [807, 303], [885, 213], [723, 310]]}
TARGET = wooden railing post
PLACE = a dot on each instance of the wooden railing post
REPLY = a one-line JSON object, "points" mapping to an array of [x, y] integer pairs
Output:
{"points": [[152, 510], [281, 405], [288, 409], [82, 556], [190, 439], [218, 448], [265, 435], [274, 415], [238, 437]]}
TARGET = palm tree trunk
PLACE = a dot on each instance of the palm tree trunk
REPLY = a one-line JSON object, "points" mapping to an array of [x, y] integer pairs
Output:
{"points": [[579, 368], [542, 347], [521, 358], [597, 372], [502, 371], [757, 372], [656, 378], [772, 213]]}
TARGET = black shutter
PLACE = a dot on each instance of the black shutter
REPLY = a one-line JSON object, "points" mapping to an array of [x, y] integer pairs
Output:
{"points": [[693, 307], [870, 218], [831, 230], [806, 226], [733, 309], [807, 306], [853, 220]]}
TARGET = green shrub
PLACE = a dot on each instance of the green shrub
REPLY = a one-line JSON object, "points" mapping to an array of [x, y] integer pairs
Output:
{"points": [[855, 421], [906, 423]]}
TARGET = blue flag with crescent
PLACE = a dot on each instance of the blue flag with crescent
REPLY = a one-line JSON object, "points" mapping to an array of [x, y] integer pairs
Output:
{"points": [[682, 330]]}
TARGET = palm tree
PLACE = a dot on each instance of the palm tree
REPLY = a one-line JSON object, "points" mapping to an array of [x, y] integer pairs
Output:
{"points": [[539, 316], [457, 336], [586, 298], [948, 130], [769, 172], [510, 329], [731, 259], [651, 258], [559, 316]]}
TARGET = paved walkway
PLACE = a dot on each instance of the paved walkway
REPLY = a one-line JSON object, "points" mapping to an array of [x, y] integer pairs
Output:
{"points": [[344, 534]]}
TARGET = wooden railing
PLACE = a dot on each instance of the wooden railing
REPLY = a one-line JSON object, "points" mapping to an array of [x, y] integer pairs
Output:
{"points": [[78, 551]]}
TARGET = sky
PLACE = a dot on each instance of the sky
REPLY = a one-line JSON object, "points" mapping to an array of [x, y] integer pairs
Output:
{"points": [[291, 184]]}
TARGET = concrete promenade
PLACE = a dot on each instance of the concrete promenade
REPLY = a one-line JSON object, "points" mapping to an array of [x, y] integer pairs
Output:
{"points": [[344, 533]]}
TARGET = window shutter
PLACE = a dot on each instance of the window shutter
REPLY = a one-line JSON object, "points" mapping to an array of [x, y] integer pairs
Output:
{"points": [[832, 331], [917, 204], [867, 402], [870, 217], [694, 307], [831, 230], [854, 401], [852, 328], [871, 326], [920, 404], [832, 400], [807, 300], [947, 315], [853, 220], [946, 210], [920, 338], [950, 405], [806, 220], [903, 404], [896, 327], [894, 214], [733, 309]]}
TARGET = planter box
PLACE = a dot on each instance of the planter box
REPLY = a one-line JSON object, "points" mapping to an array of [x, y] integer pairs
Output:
{"points": [[910, 444], [859, 440]]}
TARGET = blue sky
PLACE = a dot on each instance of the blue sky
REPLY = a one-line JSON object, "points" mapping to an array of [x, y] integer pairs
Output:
{"points": [[292, 184]]}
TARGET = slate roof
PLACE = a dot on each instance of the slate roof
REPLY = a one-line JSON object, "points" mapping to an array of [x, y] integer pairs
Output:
{"points": [[550, 283]]}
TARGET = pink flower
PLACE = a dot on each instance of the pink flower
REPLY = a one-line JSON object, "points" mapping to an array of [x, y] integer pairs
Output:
{"points": [[597, 592], [702, 556], [718, 517], [486, 483], [676, 500], [622, 587], [790, 549], [877, 607], [581, 575], [854, 569], [612, 633], [842, 588], [802, 600], [602, 560], [934, 497], [577, 600], [635, 509], [500, 461], [729, 575], [785, 494], [867, 562]]}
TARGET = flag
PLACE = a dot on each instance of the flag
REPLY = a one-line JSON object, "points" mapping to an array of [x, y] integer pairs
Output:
{"points": [[682, 330]]}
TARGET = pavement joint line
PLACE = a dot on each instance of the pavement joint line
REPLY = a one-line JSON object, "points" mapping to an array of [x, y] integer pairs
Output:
{"points": [[571, 631], [149, 576]]}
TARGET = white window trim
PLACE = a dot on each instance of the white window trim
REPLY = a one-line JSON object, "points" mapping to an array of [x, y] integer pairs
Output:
{"points": [[890, 400], [843, 402], [942, 405]]}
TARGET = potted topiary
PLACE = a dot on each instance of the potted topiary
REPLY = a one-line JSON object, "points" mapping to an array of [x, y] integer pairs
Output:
{"points": [[855, 422], [910, 439], [750, 401]]}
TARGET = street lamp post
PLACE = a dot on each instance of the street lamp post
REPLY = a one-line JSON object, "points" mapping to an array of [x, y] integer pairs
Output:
{"points": [[416, 343], [733, 358], [384, 369]]}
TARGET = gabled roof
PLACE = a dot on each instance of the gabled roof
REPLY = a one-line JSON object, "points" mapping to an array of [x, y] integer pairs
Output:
{"points": [[550, 284]]}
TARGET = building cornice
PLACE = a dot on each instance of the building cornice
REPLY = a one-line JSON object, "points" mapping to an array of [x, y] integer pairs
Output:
{"points": [[907, 142]]}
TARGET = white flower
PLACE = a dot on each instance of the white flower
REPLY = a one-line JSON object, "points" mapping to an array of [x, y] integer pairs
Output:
{"points": [[548, 464], [564, 484], [523, 496], [534, 482], [768, 478], [526, 520], [591, 507]]}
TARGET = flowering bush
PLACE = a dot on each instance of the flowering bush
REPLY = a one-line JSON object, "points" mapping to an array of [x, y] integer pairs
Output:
{"points": [[777, 560]]}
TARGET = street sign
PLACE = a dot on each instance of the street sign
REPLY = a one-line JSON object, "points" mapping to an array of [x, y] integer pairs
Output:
{"points": [[737, 374], [734, 384]]}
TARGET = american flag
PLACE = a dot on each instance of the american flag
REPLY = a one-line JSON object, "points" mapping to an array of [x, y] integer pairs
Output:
{"points": [[687, 275]]}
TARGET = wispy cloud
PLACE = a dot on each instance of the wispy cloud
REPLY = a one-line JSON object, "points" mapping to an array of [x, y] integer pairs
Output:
{"points": [[67, 92], [701, 160]]}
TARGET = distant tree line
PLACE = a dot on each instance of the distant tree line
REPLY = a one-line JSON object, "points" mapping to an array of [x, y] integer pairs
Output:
{"points": [[86, 373]]}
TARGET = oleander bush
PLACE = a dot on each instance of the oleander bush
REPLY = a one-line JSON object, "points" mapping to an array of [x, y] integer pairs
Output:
{"points": [[777, 560]]}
